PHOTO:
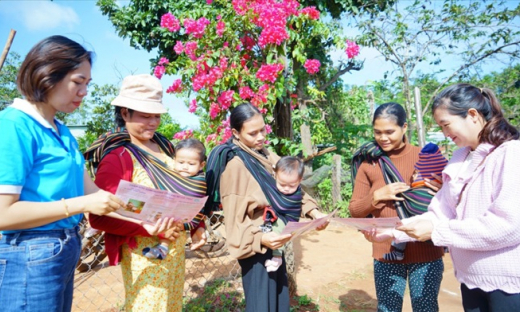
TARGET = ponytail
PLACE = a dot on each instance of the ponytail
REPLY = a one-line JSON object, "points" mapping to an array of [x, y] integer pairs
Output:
{"points": [[458, 99], [497, 130]]}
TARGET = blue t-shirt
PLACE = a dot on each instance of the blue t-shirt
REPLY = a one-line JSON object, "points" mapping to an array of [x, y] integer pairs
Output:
{"points": [[37, 162]]}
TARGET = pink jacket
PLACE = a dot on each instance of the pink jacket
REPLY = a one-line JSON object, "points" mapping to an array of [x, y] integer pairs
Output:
{"points": [[483, 230]]}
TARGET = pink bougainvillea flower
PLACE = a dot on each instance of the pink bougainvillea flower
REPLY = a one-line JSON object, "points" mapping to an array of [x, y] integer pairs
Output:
{"points": [[311, 12], [190, 49], [196, 28], [268, 129], [269, 72], [245, 93], [211, 137], [352, 49], [209, 1], [163, 61], [179, 47], [193, 106], [223, 63], [240, 6], [226, 99], [221, 26], [176, 87], [214, 110], [159, 71], [272, 35], [170, 22], [226, 135], [312, 66], [183, 135]]}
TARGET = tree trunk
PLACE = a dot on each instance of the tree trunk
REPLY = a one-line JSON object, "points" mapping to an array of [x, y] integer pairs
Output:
{"points": [[408, 106], [418, 116], [305, 133], [282, 120]]}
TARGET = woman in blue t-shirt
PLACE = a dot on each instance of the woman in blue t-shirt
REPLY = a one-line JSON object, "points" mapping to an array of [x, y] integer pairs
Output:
{"points": [[44, 189]]}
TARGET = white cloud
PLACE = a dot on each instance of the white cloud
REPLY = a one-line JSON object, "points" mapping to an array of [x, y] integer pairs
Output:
{"points": [[45, 15]]}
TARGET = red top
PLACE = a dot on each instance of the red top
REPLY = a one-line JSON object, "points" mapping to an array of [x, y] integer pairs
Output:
{"points": [[114, 167]]}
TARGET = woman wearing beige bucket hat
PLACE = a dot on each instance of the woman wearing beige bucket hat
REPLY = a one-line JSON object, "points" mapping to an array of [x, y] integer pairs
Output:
{"points": [[139, 154]]}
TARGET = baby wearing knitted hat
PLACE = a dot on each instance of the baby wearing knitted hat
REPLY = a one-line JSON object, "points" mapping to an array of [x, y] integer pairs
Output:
{"points": [[431, 162]]}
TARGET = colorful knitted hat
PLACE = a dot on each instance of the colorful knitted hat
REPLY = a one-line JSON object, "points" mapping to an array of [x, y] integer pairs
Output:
{"points": [[430, 161]]}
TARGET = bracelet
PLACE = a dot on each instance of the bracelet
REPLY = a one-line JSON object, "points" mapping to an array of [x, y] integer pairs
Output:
{"points": [[67, 214]]}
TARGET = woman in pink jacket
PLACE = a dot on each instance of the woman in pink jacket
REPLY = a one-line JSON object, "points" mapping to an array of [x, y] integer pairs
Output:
{"points": [[476, 213]]}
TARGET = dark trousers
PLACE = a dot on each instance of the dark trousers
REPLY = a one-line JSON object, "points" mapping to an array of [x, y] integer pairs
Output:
{"points": [[264, 292], [477, 300]]}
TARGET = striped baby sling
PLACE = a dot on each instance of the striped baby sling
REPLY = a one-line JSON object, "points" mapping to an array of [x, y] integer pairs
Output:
{"points": [[286, 207], [160, 174], [416, 200]]}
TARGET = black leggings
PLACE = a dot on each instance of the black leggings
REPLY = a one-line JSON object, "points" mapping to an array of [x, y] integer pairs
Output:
{"points": [[477, 300], [264, 292]]}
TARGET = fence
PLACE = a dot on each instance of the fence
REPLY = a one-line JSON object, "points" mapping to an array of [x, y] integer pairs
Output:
{"points": [[99, 287]]}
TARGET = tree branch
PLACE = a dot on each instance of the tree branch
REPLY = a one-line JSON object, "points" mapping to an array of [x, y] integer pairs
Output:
{"points": [[461, 68], [350, 66]]}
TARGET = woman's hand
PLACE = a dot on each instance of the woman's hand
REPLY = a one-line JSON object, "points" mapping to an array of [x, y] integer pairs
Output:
{"points": [[377, 235], [198, 239], [420, 229], [273, 240], [101, 203], [316, 214], [434, 185], [389, 192], [163, 225], [174, 232]]}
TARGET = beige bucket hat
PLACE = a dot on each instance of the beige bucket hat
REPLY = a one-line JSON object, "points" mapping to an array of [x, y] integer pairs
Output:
{"points": [[142, 93]]}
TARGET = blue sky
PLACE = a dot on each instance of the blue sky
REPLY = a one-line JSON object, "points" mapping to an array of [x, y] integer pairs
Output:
{"points": [[82, 21]]}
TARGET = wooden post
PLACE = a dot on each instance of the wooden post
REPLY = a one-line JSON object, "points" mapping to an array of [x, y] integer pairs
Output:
{"points": [[418, 117], [371, 103], [305, 132], [336, 178], [7, 47]]}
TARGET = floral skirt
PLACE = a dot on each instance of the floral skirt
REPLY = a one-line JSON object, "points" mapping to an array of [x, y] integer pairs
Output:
{"points": [[152, 284]]}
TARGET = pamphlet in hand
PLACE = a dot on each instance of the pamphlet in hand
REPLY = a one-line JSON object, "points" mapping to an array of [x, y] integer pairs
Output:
{"points": [[149, 205], [298, 228], [369, 223]]}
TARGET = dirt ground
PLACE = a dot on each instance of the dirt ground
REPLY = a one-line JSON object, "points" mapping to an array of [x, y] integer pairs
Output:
{"points": [[334, 268]]}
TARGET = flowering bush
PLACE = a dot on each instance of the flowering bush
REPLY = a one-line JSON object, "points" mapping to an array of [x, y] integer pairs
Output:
{"points": [[352, 49], [242, 50], [312, 66]]}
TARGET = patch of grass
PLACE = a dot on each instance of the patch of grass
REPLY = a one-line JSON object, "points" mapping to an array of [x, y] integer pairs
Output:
{"points": [[218, 295], [304, 303]]}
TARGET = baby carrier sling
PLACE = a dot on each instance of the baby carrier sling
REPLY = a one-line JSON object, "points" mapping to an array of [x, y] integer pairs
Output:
{"points": [[160, 174], [286, 207], [416, 200]]}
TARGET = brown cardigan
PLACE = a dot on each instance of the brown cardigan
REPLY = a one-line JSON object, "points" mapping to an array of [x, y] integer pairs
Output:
{"points": [[370, 178], [243, 202]]}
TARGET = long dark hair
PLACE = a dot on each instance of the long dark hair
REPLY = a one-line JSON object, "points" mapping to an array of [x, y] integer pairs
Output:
{"points": [[241, 114], [459, 98]]}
